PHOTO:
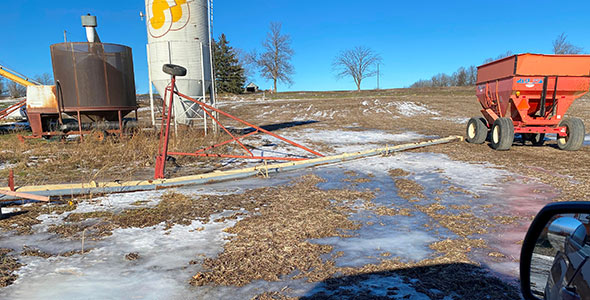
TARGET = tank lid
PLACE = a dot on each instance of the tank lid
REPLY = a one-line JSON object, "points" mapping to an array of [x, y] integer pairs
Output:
{"points": [[89, 21]]}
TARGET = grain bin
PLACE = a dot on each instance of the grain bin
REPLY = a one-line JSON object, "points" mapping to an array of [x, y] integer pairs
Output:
{"points": [[95, 80], [178, 33]]}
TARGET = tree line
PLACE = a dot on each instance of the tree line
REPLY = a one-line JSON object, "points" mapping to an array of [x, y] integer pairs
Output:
{"points": [[467, 76], [233, 66]]}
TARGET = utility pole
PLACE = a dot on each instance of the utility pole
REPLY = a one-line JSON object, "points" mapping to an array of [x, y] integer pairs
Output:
{"points": [[378, 76], [65, 36]]}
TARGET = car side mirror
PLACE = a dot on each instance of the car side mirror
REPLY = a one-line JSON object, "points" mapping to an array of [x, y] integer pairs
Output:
{"points": [[554, 253], [565, 227]]}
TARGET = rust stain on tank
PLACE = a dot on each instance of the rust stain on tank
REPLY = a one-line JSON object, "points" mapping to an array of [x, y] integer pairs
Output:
{"points": [[41, 97]]}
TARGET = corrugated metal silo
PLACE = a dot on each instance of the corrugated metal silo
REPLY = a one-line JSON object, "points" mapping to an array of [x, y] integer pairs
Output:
{"points": [[178, 33]]}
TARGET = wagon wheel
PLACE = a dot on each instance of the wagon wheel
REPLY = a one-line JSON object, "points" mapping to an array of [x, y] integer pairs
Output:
{"points": [[502, 134], [575, 135], [477, 131]]}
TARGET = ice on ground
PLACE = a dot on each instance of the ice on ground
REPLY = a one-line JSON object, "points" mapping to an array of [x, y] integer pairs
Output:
{"points": [[357, 137], [163, 269], [142, 109], [410, 109], [458, 120], [486, 186], [161, 272], [473, 177], [341, 141], [372, 241], [403, 237], [120, 201]]}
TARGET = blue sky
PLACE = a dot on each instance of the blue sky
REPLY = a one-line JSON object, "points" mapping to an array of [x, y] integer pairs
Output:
{"points": [[416, 39]]}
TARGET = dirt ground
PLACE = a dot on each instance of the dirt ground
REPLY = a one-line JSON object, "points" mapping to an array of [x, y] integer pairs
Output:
{"points": [[274, 241]]}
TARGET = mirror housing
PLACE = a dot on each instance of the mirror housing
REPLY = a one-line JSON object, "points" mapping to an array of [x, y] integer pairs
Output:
{"points": [[537, 227], [563, 228]]}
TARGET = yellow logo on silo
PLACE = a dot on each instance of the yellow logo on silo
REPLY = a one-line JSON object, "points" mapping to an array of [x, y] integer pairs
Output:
{"points": [[167, 15]]}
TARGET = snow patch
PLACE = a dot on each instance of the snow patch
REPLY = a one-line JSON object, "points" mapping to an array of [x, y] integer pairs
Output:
{"points": [[486, 185], [142, 109], [161, 272], [458, 120], [357, 137], [410, 109], [406, 242], [5, 165]]}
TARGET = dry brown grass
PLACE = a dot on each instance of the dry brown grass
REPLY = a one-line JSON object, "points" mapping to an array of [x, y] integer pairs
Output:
{"points": [[174, 208], [22, 221], [8, 266], [409, 189], [40, 161], [463, 224], [275, 241]]}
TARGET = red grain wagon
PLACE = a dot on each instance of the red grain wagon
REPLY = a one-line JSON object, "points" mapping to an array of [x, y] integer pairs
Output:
{"points": [[529, 94]]}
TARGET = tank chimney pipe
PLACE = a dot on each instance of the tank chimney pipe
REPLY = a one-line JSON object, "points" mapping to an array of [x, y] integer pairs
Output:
{"points": [[89, 22]]}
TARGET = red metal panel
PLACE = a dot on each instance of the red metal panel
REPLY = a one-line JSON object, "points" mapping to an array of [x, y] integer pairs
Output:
{"points": [[553, 65], [535, 65], [36, 124], [496, 70]]}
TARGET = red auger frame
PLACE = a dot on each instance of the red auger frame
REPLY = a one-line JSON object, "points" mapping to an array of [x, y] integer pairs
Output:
{"points": [[6, 112], [529, 94], [163, 152]]}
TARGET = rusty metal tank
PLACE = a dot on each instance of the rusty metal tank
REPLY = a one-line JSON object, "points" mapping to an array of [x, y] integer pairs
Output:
{"points": [[95, 80]]}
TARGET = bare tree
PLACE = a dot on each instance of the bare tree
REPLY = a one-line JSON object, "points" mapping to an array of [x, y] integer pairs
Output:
{"points": [[16, 90], [1, 86], [247, 61], [460, 77], [358, 63], [275, 62], [562, 46], [471, 75], [422, 83], [44, 79], [441, 80]]}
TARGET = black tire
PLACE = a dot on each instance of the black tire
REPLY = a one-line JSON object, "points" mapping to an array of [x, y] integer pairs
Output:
{"points": [[575, 135], [477, 131], [174, 70], [502, 135], [537, 139]]}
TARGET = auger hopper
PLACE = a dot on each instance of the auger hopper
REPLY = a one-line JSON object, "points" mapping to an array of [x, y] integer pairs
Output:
{"points": [[529, 94]]}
